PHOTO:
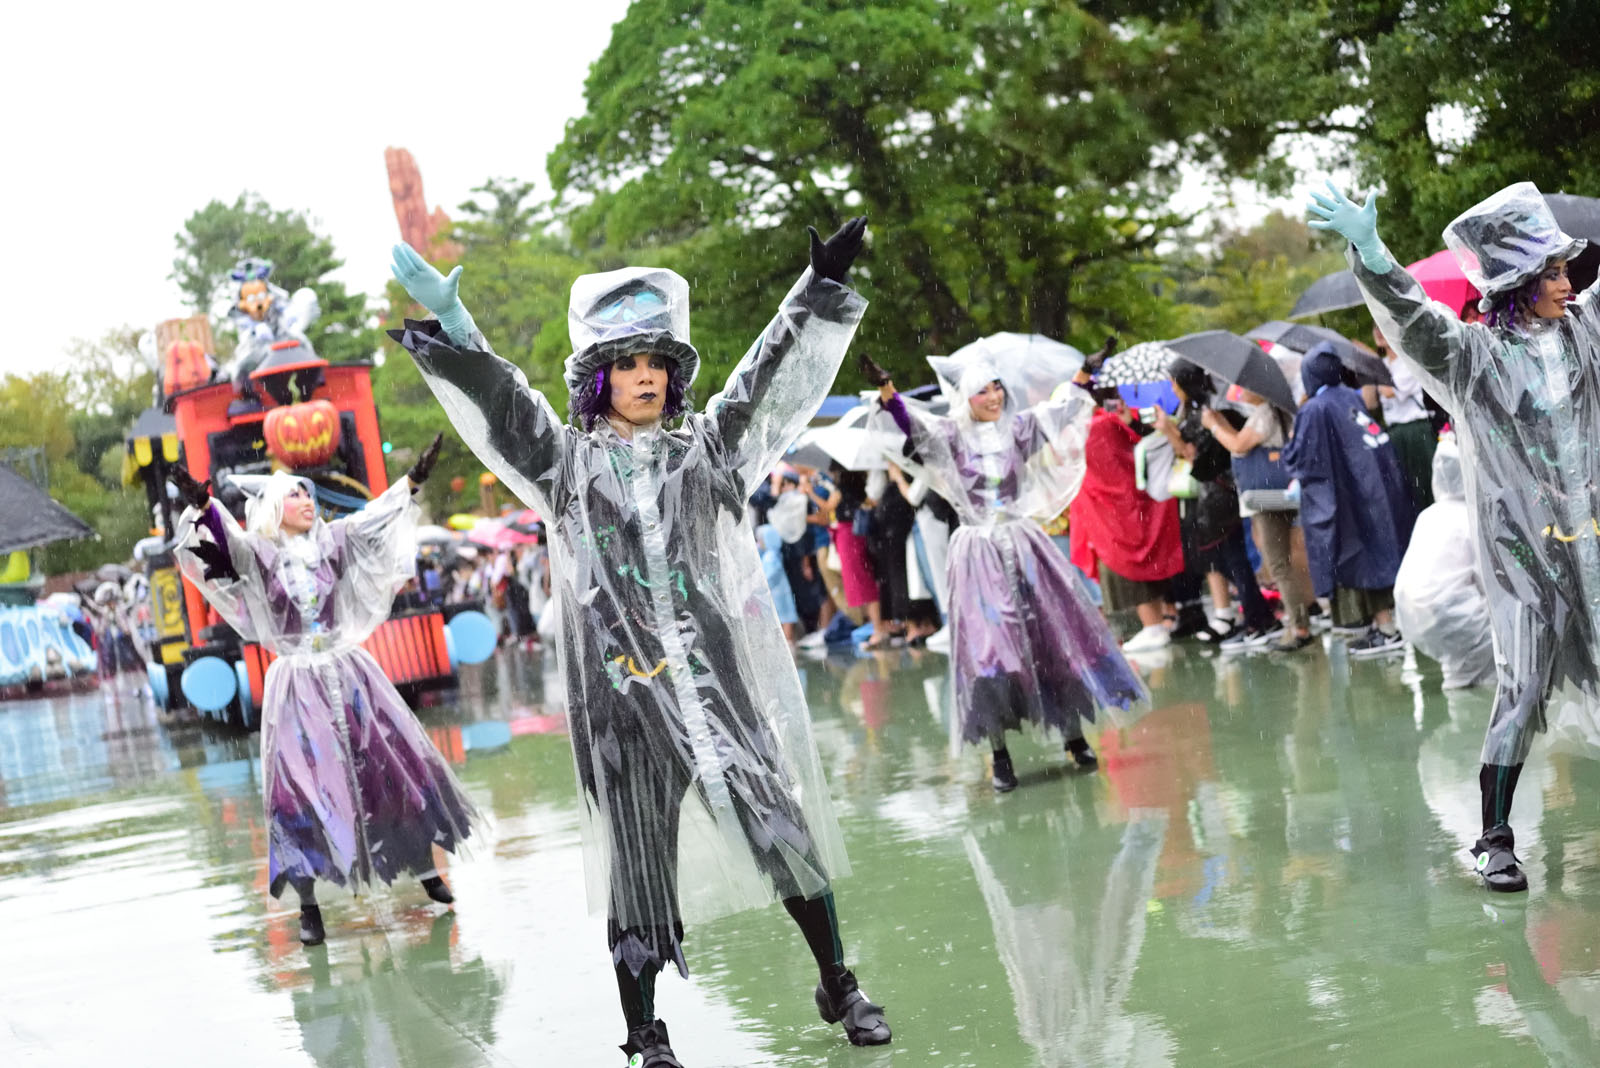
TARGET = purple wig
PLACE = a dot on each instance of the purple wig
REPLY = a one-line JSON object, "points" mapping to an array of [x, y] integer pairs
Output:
{"points": [[591, 401], [1512, 308]]}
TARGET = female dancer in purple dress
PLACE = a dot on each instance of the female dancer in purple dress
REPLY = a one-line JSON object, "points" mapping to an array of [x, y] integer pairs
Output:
{"points": [[1028, 644], [355, 792]]}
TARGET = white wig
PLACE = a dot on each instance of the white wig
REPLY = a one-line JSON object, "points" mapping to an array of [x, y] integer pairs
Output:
{"points": [[263, 511]]}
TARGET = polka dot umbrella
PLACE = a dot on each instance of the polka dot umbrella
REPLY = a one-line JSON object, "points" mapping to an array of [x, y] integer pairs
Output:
{"points": [[1140, 375]]}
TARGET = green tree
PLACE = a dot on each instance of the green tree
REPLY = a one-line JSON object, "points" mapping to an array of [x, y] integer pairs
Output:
{"points": [[1253, 275], [78, 416], [1440, 102], [515, 282], [1014, 158], [218, 236]]}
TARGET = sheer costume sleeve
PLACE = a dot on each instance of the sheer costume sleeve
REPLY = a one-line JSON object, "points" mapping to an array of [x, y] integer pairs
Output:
{"points": [[508, 425], [784, 377]]}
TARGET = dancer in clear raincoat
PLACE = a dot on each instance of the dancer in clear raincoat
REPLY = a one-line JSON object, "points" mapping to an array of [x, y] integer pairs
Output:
{"points": [[1439, 600], [355, 792], [1028, 644], [689, 727], [1524, 389]]}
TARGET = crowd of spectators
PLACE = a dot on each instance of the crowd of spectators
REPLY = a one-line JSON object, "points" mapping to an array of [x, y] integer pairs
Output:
{"points": [[1224, 520]]}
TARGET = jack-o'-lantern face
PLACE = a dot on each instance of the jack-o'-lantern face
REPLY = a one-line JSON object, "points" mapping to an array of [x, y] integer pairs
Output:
{"points": [[303, 435], [254, 300]]}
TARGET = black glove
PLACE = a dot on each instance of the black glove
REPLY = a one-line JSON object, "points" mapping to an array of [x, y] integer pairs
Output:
{"points": [[424, 466], [218, 566], [190, 492], [832, 258], [1092, 364], [875, 375]]}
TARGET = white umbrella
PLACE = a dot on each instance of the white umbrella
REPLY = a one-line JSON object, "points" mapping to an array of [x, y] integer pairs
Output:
{"points": [[1030, 365], [849, 441], [431, 534]]}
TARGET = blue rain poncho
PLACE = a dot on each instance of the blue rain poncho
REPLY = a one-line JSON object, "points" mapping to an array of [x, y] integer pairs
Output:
{"points": [[1355, 509]]}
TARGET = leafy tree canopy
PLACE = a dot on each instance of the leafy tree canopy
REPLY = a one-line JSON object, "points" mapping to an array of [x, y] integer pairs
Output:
{"points": [[219, 235], [1014, 158]]}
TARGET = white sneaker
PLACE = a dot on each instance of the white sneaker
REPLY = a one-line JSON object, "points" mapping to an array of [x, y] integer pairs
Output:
{"points": [[939, 640], [1148, 639], [814, 640]]}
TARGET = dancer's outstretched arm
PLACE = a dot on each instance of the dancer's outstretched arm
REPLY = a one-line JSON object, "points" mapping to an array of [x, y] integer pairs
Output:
{"points": [[507, 424], [782, 380]]}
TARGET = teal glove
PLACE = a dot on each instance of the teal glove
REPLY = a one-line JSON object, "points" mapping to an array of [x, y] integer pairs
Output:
{"points": [[1358, 223], [434, 291]]}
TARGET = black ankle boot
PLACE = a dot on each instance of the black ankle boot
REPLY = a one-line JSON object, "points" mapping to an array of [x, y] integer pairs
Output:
{"points": [[1005, 777], [648, 1047], [1497, 862], [438, 891], [1082, 755], [840, 1000], [311, 932]]}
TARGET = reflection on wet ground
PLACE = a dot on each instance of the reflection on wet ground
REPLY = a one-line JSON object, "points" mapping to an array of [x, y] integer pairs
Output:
{"points": [[1268, 868]]}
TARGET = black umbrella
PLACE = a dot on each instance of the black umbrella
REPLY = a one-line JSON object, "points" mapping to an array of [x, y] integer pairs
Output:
{"points": [[1331, 292], [1579, 217], [1303, 337], [1239, 362], [112, 573], [809, 454]]}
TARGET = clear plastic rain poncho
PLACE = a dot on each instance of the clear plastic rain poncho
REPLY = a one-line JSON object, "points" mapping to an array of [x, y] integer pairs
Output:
{"points": [[1027, 642], [689, 727], [355, 792], [1526, 402], [1439, 599]]}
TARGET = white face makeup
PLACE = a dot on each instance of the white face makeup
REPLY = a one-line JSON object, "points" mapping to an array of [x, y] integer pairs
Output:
{"points": [[988, 403], [639, 388], [299, 511]]}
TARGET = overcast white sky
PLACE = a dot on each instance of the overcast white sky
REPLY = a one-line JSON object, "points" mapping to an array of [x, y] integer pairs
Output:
{"points": [[121, 119]]}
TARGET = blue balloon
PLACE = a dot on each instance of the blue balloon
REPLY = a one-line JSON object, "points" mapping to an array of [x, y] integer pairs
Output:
{"points": [[475, 637], [484, 735], [209, 683]]}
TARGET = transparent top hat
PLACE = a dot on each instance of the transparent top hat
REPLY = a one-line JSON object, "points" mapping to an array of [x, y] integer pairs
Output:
{"points": [[627, 312], [1502, 241]]}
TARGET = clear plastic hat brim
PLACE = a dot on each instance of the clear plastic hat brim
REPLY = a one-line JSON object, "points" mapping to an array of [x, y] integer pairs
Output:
{"points": [[1507, 238], [580, 365]]}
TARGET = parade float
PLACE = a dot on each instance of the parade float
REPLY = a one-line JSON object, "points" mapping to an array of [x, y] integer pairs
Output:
{"points": [[37, 642], [278, 405]]}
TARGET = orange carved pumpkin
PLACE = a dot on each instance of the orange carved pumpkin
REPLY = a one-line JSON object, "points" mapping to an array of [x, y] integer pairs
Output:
{"points": [[186, 366], [303, 435]]}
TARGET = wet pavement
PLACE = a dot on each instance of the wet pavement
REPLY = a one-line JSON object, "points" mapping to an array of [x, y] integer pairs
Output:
{"points": [[1267, 869]]}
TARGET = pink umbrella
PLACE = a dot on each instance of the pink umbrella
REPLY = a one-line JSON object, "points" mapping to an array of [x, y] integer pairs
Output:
{"points": [[492, 534], [1441, 278]]}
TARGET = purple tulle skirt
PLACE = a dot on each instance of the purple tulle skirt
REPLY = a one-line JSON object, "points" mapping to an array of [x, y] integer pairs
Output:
{"points": [[355, 792], [1028, 644]]}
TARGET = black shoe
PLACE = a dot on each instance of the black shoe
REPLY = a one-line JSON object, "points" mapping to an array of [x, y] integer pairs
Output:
{"points": [[1376, 643], [1005, 777], [311, 932], [1497, 863], [1192, 622], [648, 1047], [1082, 755], [840, 1000], [438, 891]]}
